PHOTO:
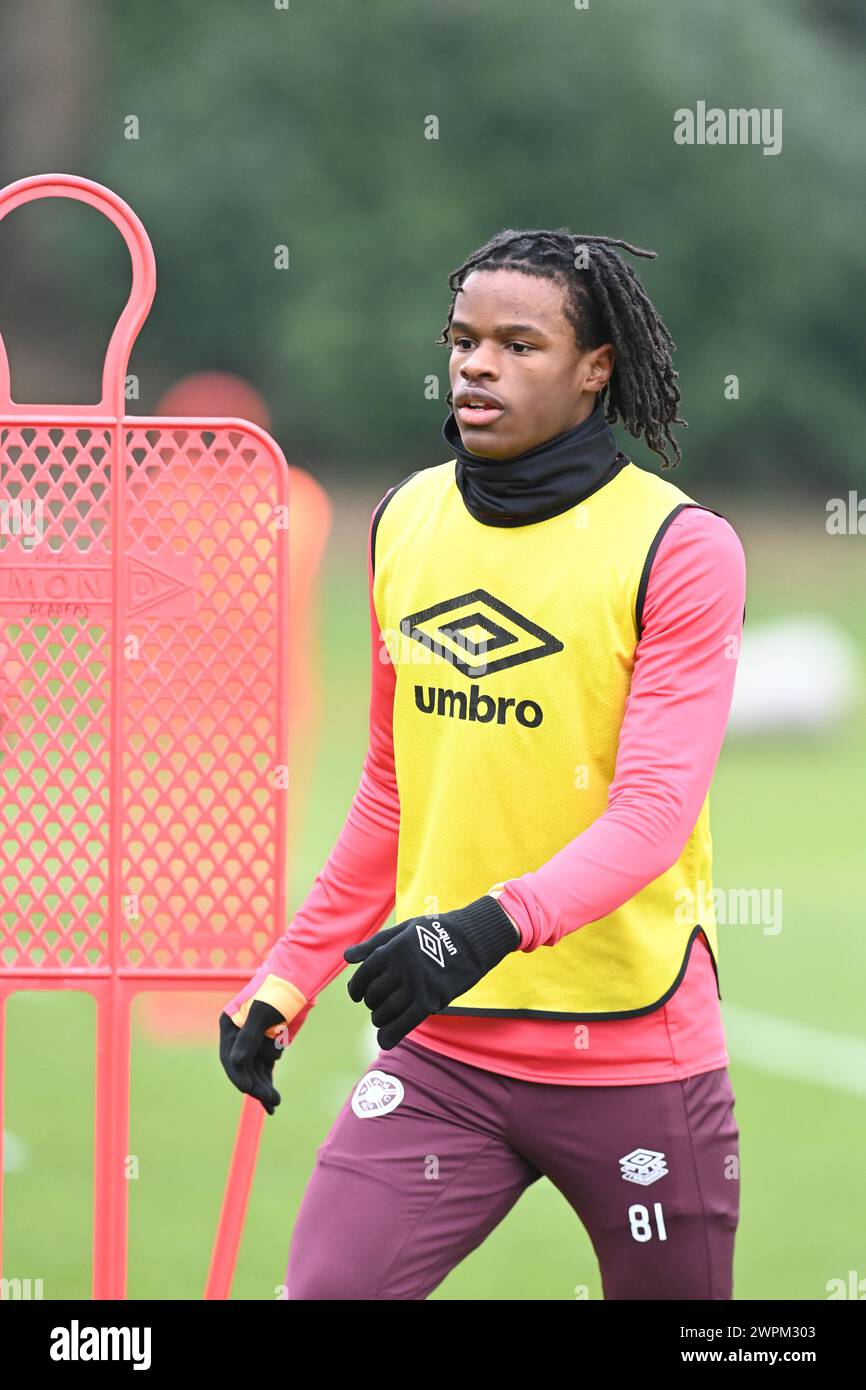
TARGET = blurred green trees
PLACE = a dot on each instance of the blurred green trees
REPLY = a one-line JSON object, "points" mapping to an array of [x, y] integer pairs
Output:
{"points": [[305, 128]]}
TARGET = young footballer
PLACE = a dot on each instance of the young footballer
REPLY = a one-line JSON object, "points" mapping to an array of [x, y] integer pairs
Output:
{"points": [[554, 640]]}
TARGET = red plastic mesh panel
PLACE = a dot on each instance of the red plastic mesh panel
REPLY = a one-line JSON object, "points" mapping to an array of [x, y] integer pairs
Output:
{"points": [[143, 744]]}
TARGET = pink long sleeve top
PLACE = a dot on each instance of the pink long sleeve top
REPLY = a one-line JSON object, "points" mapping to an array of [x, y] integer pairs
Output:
{"points": [[669, 744]]}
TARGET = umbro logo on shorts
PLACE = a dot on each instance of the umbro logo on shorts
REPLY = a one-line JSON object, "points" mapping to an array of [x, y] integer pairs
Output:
{"points": [[376, 1094], [469, 629], [431, 940], [643, 1166]]}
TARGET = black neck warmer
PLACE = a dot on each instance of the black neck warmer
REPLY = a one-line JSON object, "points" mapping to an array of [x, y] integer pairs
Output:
{"points": [[540, 483]]}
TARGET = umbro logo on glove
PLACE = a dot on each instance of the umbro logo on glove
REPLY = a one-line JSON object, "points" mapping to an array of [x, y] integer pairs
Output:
{"points": [[431, 942], [402, 984]]}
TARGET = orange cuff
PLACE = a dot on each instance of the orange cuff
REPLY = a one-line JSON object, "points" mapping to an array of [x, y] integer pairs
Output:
{"points": [[280, 994]]}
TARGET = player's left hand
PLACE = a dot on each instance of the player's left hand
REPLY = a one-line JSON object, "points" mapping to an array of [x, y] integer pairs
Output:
{"points": [[416, 968]]}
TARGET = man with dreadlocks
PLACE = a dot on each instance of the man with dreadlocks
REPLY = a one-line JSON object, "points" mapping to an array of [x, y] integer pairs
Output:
{"points": [[554, 639]]}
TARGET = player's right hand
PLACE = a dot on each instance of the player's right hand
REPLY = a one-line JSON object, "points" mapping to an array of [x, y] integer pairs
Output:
{"points": [[248, 1055]]}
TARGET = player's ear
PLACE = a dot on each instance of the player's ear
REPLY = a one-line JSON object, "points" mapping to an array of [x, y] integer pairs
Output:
{"points": [[599, 364]]}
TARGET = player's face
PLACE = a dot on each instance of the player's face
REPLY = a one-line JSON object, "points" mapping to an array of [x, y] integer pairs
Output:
{"points": [[510, 341]]}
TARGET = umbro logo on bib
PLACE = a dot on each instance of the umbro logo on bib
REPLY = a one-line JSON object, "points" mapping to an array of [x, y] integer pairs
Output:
{"points": [[376, 1094], [479, 634], [471, 631]]}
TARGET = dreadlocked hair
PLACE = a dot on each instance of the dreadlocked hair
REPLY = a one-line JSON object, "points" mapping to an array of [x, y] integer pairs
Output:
{"points": [[604, 302]]}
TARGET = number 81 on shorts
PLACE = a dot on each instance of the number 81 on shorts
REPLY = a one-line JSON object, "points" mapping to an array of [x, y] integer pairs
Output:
{"points": [[641, 1222]]}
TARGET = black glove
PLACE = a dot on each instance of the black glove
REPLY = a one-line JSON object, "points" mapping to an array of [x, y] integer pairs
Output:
{"points": [[416, 968], [248, 1056]]}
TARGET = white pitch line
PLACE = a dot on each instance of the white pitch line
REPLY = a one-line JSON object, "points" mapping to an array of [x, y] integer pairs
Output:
{"points": [[798, 1051]]}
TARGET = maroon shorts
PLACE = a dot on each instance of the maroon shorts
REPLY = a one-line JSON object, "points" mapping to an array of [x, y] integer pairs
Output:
{"points": [[428, 1154]]}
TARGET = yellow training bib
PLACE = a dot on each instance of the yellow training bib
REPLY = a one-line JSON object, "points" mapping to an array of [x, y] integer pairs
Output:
{"points": [[513, 649]]}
